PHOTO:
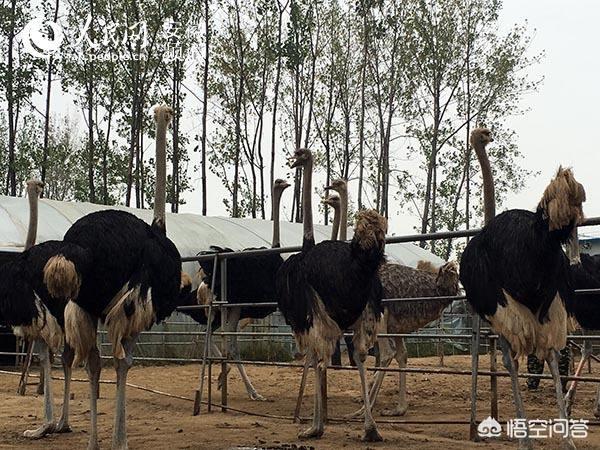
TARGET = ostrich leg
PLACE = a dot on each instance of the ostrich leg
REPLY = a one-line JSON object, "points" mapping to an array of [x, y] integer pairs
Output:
{"points": [[231, 325], [48, 426], [371, 433], [401, 358], [511, 366], [585, 356], [386, 354], [119, 439], [67, 360], [567, 443], [307, 364], [94, 366], [317, 428]]}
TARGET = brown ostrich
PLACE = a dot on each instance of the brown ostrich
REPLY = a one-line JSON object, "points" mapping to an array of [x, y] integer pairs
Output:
{"points": [[400, 281]]}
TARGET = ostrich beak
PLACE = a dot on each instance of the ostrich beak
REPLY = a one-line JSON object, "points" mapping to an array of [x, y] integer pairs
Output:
{"points": [[285, 185], [294, 162]]}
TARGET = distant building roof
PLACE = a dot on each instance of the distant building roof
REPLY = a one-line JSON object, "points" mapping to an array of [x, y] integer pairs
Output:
{"points": [[191, 233]]}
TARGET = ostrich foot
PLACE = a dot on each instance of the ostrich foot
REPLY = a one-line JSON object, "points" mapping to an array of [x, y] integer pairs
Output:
{"points": [[358, 413], [372, 435], [62, 427], [313, 432], [396, 412], [93, 445], [40, 432], [568, 444], [257, 397]]}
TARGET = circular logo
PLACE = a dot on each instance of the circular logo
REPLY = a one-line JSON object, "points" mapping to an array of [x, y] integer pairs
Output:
{"points": [[36, 40]]}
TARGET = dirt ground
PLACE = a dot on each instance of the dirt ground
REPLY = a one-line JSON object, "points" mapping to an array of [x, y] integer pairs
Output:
{"points": [[157, 422]]}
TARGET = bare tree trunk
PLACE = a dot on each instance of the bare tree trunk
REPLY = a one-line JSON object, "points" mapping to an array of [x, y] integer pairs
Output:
{"points": [[276, 94], [361, 124], [90, 105], [132, 137], [432, 163], [176, 96], [47, 111], [205, 102], [107, 142], [11, 181], [468, 130], [238, 131]]}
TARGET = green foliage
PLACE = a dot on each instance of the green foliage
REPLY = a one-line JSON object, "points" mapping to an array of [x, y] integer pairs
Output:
{"points": [[381, 90]]}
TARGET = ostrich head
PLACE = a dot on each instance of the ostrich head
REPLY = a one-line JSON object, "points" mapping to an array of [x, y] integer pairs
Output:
{"points": [[562, 201], [301, 158], [481, 137], [447, 277], [280, 185], [370, 229], [34, 187], [333, 201], [339, 185]]}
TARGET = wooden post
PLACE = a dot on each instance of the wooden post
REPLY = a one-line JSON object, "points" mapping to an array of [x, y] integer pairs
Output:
{"points": [[493, 379], [224, 339], [324, 393], [473, 435], [25, 372], [207, 342]]}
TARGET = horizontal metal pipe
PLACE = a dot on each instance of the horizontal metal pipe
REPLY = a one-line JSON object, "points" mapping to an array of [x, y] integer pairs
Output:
{"points": [[412, 370], [385, 300], [389, 240]]}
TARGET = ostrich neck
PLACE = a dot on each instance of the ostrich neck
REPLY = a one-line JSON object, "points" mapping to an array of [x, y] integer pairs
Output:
{"points": [[276, 242], [309, 237], [489, 199], [344, 215], [335, 226], [161, 174], [33, 219]]}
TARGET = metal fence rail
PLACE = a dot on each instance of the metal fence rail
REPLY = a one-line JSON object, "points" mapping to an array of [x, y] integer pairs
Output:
{"points": [[222, 306]]}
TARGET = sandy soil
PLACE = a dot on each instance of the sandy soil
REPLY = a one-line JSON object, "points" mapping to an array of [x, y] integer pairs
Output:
{"points": [[158, 422]]}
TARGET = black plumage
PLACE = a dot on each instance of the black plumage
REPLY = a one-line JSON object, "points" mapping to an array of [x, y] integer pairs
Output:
{"points": [[342, 275], [586, 307], [249, 280], [329, 287], [132, 281], [22, 281], [516, 253], [125, 251], [516, 275]]}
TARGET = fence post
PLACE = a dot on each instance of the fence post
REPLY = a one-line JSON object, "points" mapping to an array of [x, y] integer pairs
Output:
{"points": [[474, 372], [207, 346], [493, 379], [224, 339]]}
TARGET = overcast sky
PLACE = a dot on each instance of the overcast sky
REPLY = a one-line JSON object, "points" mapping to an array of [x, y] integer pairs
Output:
{"points": [[556, 129], [559, 126]]}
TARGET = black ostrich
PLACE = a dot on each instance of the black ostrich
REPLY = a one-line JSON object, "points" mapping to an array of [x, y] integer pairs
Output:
{"points": [[330, 287], [249, 280], [26, 305], [341, 222], [515, 273], [584, 309], [131, 281]]}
